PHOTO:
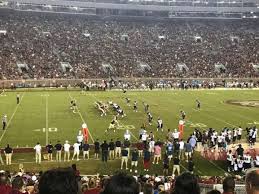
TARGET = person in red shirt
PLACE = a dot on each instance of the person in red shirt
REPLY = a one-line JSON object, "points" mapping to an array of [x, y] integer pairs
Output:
{"points": [[93, 189], [4, 187]]}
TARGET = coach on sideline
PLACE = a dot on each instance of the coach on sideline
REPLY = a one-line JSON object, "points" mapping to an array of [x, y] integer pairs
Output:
{"points": [[8, 151], [252, 181]]}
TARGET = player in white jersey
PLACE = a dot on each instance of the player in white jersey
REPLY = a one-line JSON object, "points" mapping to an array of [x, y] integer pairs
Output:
{"points": [[247, 161], [230, 161], [159, 124], [234, 135], [240, 164]]}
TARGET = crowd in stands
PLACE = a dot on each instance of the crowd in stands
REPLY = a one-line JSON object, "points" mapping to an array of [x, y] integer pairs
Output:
{"points": [[69, 181], [130, 48]]}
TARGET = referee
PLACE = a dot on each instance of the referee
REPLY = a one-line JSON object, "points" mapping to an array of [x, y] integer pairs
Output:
{"points": [[4, 122]]}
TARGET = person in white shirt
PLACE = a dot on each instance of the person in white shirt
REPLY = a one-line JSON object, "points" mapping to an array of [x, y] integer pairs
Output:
{"points": [[247, 161], [66, 151], [230, 161], [144, 136], [176, 135], [240, 164], [151, 146], [239, 133], [80, 138], [181, 148], [37, 149], [257, 161], [127, 135], [159, 124], [76, 151]]}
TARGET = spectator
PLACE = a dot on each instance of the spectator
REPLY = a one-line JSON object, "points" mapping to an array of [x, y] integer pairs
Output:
{"points": [[121, 184], [18, 186], [214, 192], [252, 181], [4, 187], [186, 183], [148, 189], [58, 181], [146, 159], [229, 185]]}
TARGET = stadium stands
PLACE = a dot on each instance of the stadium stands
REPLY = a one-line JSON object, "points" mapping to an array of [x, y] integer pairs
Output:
{"points": [[44, 42]]}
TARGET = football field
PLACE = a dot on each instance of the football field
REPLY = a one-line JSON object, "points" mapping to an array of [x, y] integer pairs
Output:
{"points": [[45, 116]]}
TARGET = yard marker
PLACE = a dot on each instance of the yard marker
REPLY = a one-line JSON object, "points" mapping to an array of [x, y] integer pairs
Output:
{"points": [[15, 110], [47, 120], [82, 118]]}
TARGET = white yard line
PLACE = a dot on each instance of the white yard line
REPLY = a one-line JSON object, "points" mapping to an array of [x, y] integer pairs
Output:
{"points": [[47, 120], [9, 121], [217, 166], [82, 118]]}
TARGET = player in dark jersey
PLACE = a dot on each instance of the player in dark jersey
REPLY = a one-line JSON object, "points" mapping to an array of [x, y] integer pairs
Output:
{"points": [[146, 107], [198, 104], [135, 108], [183, 114], [18, 98], [113, 125], [128, 101]]}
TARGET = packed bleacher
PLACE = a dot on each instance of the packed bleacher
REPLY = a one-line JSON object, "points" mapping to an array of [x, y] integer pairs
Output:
{"points": [[35, 46], [69, 181]]}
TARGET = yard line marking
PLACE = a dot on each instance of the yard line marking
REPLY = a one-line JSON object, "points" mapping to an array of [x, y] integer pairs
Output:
{"points": [[47, 120], [82, 118], [15, 110], [221, 120], [217, 166], [133, 135], [183, 167]]}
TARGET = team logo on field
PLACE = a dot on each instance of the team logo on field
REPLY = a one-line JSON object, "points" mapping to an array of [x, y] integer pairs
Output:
{"points": [[248, 103]]}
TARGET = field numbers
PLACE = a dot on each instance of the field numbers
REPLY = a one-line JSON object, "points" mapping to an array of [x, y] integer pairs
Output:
{"points": [[51, 129], [125, 127], [254, 123], [201, 125]]}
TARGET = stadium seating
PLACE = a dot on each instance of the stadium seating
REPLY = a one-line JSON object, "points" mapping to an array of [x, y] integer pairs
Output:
{"points": [[37, 46]]}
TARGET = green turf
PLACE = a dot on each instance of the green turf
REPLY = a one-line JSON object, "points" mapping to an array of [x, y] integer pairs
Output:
{"points": [[41, 109]]}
